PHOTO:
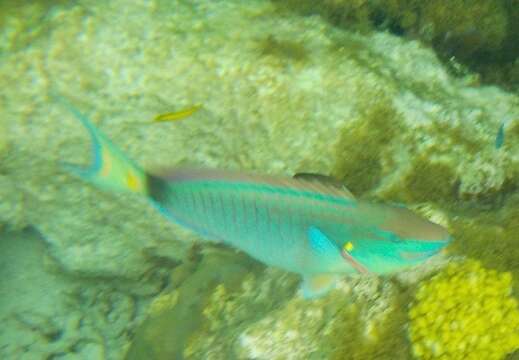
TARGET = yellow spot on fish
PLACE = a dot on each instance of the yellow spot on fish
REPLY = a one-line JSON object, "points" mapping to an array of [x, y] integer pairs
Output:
{"points": [[177, 115], [133, 182], [348, 246]]}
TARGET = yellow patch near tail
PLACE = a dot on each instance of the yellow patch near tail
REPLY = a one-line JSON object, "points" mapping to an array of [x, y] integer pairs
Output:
{"points": [[110, 168], [133, 182]]}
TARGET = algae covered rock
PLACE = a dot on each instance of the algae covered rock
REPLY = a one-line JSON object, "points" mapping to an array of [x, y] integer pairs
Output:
{"points": [[477, 34], [377, 111], [281, 94], [262, 320], [178, 313], [47, 314]]}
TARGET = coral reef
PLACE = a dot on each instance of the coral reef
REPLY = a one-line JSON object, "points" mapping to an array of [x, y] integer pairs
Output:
{"points": [[480, 34], [375, 110], [376, 126], [49, 315], [229, 311], [260, 320], [465, 311], [281, 94], [176, 315], [350, 321], [385, 336], [24, 23]]}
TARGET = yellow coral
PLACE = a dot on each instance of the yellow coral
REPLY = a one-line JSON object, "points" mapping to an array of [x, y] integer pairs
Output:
{"points": [[465, 312]]}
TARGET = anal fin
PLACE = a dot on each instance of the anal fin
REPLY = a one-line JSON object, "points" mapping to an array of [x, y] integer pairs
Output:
{"points": [[315, 286]]}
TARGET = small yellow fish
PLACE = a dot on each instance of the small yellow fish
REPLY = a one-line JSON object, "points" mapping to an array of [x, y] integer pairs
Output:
{"points": [[178, 115]]}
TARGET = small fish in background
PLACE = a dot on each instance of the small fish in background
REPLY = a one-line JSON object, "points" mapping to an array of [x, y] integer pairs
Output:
{"points": [[500, 137], [308, 224], [177, 115]]}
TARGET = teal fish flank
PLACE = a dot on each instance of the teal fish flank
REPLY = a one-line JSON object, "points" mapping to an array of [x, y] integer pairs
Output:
{"points": [[308, 224]]}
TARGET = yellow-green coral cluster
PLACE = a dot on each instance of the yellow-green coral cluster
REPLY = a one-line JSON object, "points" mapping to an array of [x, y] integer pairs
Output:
{"points": [[465, 312]]}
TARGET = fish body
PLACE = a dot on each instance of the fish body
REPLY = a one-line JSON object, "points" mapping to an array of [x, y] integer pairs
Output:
{"points": [[177, 115], [304, 224], [271, 219], [266, 217]]}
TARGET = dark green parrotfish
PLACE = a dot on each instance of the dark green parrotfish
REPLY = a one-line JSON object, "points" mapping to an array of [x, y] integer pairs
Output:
{"points": [[307, 224]]}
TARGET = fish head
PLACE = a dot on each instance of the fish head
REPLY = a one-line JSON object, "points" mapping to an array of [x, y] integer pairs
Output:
{"points": [[401, 239]]}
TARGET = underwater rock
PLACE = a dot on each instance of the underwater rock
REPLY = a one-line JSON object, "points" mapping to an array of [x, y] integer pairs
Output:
{"points": [[12, 205], [324, 114], [24, 23], [258, 318], [300, 329], [229, 310], [377, 111], [50, 315], [478, 34], [178, 313]]}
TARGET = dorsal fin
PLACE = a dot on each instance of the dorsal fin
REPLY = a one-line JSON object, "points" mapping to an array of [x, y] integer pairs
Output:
{"points": [[326, 181]]}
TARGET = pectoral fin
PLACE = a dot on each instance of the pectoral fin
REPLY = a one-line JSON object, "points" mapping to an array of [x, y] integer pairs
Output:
{"points": [[314, 286], [320, 243]]}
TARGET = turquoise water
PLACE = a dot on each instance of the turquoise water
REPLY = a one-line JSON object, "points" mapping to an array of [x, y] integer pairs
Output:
{"points": [[402, 103]]}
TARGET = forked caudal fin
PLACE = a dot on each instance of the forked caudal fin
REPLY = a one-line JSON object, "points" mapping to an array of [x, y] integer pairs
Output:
{"points": [[110, 168]]}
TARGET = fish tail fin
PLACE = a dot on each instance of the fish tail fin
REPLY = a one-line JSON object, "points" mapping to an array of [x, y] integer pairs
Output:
{"points": [[110, 168]]}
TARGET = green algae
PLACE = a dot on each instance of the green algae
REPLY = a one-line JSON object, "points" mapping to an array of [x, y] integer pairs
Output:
{"points": [[428, 181], [363, 143], [389, 341], [229, 311], [284, 49], [491, 237], [512, 131]]}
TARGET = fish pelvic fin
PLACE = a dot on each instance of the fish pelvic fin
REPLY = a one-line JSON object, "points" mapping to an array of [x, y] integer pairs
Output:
{"points": [[317, 285], [110, 169]]}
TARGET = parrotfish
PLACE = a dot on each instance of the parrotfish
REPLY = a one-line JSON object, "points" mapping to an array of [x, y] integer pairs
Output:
{"points": [[307, 224]]}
